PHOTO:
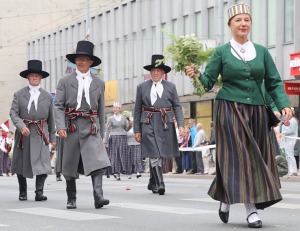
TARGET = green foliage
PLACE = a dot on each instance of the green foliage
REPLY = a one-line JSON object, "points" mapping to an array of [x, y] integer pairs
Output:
{"points": [[185, 51]]}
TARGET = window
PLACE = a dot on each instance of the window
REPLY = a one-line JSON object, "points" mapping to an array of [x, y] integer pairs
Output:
{"points": [[288, 20], [186, 25], [211, 23], [165, 38], [271, 26], [175, 27], [198, 24], [227, 33], [153, 39]]}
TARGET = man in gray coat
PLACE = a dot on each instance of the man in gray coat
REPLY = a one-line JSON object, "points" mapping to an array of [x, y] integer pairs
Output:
{"points": [[32, 114], [156, 103], [80, 121]]}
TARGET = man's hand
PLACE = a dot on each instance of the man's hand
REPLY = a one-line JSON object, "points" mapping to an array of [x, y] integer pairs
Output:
{"points": [[137, 137], [62, 133], [25, 131]]}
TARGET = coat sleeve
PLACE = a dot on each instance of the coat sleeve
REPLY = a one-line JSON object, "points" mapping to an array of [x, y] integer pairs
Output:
{"points": [[59, 105], [51, 125], [101, 111], [137, 110], [15, 114], [177, 108], [273, 82]]}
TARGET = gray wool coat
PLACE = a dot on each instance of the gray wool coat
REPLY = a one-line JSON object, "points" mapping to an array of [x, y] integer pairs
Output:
{"points": [[34, 158], [80, 143], [156, 141]]}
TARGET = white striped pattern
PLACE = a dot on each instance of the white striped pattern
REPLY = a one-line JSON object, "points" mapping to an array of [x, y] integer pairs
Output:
{"points": [[238, 9]]}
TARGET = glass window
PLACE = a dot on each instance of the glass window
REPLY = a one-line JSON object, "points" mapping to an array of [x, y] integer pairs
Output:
{"points": [[288, 20], [186, 25], [271, 26], [175, 27], [211, 23], [165, 38], [153, 39], [198, 24], [227, 32], [135, 54]]}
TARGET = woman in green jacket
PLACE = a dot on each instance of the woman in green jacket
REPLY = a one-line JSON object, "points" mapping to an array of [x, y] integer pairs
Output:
{"points": [[246, 170]]}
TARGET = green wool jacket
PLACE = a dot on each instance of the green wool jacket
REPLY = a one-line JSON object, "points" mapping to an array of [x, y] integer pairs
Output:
{"points": [[238, 82]]}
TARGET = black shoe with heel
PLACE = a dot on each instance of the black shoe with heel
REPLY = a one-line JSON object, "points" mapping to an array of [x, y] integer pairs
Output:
{"points": [[224, 216], [255, 224]]}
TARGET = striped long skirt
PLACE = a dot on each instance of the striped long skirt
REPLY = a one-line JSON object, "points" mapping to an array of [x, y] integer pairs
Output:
{"points": [[135, 154], [117, 152], [246, 170]]}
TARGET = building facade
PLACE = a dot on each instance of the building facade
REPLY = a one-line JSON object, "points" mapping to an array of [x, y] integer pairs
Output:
{"points": [[127, 34]]}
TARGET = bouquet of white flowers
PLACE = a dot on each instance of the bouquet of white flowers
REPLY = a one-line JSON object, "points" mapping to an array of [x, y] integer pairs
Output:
{"points": [[185, 51]]}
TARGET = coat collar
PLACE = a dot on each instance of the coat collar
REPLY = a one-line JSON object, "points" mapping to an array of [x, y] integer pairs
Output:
{"points": [[74, 82], [27, 94]]}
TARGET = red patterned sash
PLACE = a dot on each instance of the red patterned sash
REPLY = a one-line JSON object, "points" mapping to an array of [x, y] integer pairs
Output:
{"points": [[162, 111], [40, 130], [72, 114]]}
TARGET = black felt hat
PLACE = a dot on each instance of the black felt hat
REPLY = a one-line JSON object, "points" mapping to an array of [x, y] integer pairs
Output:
{"points": [[153, 64], [34, 66], [84, 48]]}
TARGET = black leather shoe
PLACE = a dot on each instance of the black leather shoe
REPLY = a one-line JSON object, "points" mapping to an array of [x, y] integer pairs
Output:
{"points": [[71, 204], [100, 202], [224, 216], [23, 196], [58, 178], [40, 197], [255, 224]]}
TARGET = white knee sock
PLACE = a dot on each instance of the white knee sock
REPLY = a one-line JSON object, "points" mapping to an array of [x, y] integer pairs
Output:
{"points": [[225, 207], [250, 208]]}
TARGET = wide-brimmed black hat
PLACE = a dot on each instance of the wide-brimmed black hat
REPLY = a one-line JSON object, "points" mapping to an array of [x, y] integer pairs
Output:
{"points": [[34, 66], [154, 60], [84, 48]]}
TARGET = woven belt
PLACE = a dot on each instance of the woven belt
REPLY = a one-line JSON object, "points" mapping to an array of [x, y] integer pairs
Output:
{"points": [[162, 111], [40, 130], [72, 114]]}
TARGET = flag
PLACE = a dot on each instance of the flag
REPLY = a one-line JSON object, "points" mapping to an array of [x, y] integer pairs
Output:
{"points": [[5, 126]]}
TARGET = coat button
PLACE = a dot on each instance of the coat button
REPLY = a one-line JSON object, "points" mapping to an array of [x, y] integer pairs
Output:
{"points": [[248, 98]]}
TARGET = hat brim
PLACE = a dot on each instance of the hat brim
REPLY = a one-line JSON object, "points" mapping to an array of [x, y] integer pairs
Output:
{"points": [[25, 73], [166, 68], [96, 60]]}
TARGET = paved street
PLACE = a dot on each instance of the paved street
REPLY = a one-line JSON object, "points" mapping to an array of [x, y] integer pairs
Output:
{"points": [[186, 206]]}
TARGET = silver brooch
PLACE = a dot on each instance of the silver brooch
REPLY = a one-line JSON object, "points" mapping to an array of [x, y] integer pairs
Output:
{"points": [[242, 50]]}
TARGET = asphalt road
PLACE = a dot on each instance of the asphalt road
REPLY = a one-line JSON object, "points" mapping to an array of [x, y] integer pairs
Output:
{"points": [[185, 206]]}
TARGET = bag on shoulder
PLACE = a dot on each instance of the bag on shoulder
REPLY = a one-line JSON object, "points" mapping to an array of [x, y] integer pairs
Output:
{"points": [[273, 120]]}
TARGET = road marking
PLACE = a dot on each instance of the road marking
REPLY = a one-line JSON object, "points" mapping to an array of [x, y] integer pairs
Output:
{"points": [[163, 209], [277, 205], [291, 196], [3, 225], [286, 206], [63, 214], [206, 199]]}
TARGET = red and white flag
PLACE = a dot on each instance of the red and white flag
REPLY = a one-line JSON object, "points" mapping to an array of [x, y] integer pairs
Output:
{"points": [[5, 126]]}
